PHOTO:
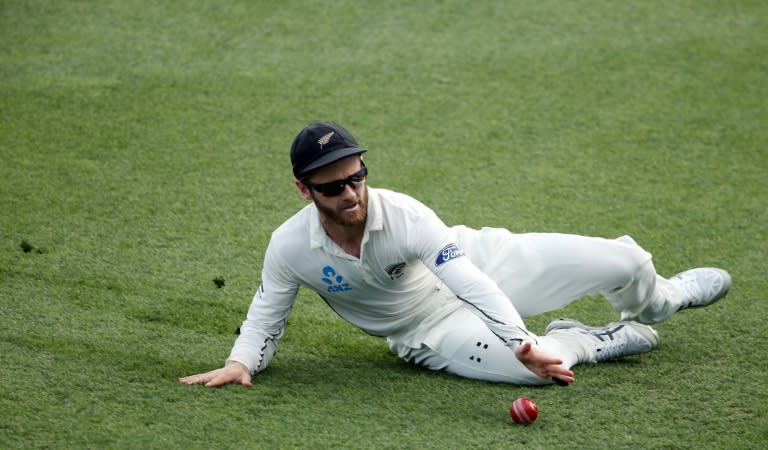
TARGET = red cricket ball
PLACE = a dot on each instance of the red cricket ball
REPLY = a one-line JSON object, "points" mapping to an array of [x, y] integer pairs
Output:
{"points": [[524, 411]]}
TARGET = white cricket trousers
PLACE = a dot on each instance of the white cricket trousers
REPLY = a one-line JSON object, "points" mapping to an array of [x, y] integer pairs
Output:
{"points": [[541, 272]]}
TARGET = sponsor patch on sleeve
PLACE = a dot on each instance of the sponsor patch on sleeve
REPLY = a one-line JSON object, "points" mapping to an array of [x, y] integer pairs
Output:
{"points": [[449, 252]]}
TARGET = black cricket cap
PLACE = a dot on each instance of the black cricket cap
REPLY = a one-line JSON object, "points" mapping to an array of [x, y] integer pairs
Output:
{"points": [[320, 144]]}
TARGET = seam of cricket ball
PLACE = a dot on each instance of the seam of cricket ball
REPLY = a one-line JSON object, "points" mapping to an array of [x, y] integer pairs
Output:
{"points": [[520, 411]]}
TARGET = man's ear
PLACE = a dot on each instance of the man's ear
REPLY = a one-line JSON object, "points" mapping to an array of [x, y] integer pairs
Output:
{"points": [[303, 190]]}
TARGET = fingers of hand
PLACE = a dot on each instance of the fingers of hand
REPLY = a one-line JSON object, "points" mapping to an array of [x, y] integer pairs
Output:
{"points": [[562, 374], [195, 379], [218, 377], [207, 378], [542, 364]]}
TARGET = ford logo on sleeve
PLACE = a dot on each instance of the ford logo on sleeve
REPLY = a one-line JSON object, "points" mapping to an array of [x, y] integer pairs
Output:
{"points": [[449, 252]]}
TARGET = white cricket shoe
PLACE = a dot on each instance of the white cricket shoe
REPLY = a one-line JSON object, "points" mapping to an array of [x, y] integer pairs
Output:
{"points": [[701, 287], [612, 341]]}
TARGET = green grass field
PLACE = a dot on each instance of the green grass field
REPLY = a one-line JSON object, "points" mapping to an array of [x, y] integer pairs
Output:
{"points": [[144, 153]]}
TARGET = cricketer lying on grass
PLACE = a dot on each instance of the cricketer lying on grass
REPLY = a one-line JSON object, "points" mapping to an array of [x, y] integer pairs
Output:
{"points": [[448, 298]]}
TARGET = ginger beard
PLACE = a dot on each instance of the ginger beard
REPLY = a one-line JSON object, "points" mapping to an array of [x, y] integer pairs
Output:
{"points": [[338, 213]]}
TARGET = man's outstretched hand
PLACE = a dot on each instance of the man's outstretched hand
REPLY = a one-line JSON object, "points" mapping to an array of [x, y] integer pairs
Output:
{"points": [[542, 364], [232, 372]]}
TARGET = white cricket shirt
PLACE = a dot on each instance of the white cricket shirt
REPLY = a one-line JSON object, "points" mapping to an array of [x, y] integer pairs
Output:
{"points": [[407, 254]]}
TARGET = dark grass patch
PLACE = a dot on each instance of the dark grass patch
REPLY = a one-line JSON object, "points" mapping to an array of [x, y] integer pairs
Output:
{"points": [[26, 247]]}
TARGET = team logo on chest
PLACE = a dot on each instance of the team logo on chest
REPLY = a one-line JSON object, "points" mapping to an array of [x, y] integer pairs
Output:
{"points": [[395, 270], [334, 280]]}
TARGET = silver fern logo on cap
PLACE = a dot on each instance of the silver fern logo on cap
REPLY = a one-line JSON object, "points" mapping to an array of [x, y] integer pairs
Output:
{"points": [[325, 138]]}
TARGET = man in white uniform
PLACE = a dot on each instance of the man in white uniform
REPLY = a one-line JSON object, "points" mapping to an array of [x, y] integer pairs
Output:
{"points": [[448, 298]]}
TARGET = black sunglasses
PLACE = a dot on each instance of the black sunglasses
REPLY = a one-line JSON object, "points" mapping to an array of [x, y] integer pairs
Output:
{"points": [[336, 187]]}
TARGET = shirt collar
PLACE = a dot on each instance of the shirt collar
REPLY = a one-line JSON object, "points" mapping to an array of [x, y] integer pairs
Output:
{"points": [[374, 222]]}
